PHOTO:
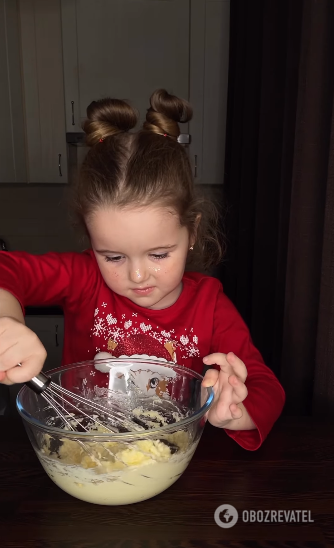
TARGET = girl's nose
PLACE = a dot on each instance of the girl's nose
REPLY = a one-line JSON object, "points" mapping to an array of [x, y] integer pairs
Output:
{"points": [[138, 274]]}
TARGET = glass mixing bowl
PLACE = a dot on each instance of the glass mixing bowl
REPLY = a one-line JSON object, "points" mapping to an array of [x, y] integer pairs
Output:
{"points": [[166, 403]]}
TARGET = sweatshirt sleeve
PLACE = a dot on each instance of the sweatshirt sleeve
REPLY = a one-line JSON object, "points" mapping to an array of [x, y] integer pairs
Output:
{"points": [[266, 396], [43, 280]]}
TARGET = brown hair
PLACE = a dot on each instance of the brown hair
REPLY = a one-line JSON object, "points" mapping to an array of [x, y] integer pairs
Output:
{"points": [[144, 168]]}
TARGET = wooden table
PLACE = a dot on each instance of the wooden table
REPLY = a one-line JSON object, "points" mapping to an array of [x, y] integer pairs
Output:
{"points": [[293, 470]]}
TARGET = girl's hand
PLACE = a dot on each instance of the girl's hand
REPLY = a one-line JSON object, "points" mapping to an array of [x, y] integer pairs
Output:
{"points": [[18, 344], [230, 390]]}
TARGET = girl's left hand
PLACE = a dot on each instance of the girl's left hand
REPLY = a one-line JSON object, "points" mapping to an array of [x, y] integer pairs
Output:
{"points": [[229, 389]]}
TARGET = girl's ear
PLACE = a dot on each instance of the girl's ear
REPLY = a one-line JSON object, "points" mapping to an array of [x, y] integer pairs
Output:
{"points": [[198, 220], [194, 235]]}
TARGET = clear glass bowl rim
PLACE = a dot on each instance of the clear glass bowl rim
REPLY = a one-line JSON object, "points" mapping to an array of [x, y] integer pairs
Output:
{"points": [[123, 435]]}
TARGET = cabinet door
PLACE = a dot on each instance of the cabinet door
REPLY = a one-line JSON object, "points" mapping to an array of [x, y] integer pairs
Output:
{"points": [[124, 49], [129, 48], [12, 153], [209, 63], [50, 330], [42, 68]]}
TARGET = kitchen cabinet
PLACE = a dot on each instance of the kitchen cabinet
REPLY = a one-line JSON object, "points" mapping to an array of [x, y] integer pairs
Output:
{"points": [[58, 56], [43, 85], [209, 62], [32, 132], [125, 49], [12, 155], [129, 48], [50, 330]]}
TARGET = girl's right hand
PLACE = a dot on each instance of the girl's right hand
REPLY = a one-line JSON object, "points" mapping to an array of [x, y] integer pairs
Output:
{"points": [[18, 344]]}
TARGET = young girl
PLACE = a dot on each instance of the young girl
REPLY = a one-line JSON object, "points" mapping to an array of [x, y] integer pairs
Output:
{"points": [[129, 294]]}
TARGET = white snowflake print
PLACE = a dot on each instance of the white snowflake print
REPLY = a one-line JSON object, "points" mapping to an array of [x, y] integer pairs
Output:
{"points": [[145, 327], [92, 373], [157, 336], [191, 330], [134, 314], [116, 334], [123, 316], [97, 349], [127, 324], [96, 312], [193, 351], [104, 305], [195, 339], [98, 327], [165, 334], [111, 320], [184, 340]]}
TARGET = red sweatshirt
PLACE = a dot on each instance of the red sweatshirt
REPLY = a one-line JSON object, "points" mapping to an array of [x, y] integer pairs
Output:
{"points": [[202, 321]]}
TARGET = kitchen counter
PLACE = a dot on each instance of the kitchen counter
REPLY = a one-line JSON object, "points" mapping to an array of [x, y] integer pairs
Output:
{"points": [[293, 470]]}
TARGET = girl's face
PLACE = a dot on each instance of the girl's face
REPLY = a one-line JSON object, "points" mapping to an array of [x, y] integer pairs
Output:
{"points": [[141, 253]]}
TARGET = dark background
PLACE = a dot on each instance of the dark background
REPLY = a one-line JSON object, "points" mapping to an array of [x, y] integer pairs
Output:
{"points": [[279, 191]]}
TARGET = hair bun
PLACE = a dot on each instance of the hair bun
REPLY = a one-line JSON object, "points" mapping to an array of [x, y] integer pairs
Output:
{"points": [[107, 117], [166, 112]]}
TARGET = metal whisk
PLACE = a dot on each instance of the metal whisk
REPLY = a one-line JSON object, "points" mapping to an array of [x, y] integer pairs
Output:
{"points": [[60, 400]]}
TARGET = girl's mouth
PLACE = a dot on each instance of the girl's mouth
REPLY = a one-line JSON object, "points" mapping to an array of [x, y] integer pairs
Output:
{"points": [[145, 291]]}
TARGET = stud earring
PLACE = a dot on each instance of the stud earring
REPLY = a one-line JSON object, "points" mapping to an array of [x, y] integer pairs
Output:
{"points": [[192, 247]]}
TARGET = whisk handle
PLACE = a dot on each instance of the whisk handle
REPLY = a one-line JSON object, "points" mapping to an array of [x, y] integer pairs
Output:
{"points": [[39, 383]]}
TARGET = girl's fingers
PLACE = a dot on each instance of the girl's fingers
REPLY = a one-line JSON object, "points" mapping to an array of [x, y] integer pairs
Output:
{"points": [[226, 362], [18, 344], [6, 381], [238, 366], [239, 388], [29, 369], [217, 358], [210, 378], [236, 412]]}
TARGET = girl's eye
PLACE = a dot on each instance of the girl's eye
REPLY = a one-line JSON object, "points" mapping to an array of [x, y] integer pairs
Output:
{"points": [[112, 259], [162, 256], [119, 258]]}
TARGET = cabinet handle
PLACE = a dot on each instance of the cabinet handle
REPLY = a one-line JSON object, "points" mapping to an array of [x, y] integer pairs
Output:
{"points": [[72, 103], [59, 165], [195, 174], [57, 344], [184, 139]]}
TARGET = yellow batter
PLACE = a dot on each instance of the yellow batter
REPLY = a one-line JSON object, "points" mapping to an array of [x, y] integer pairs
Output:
{"points": [[117, 473]]}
